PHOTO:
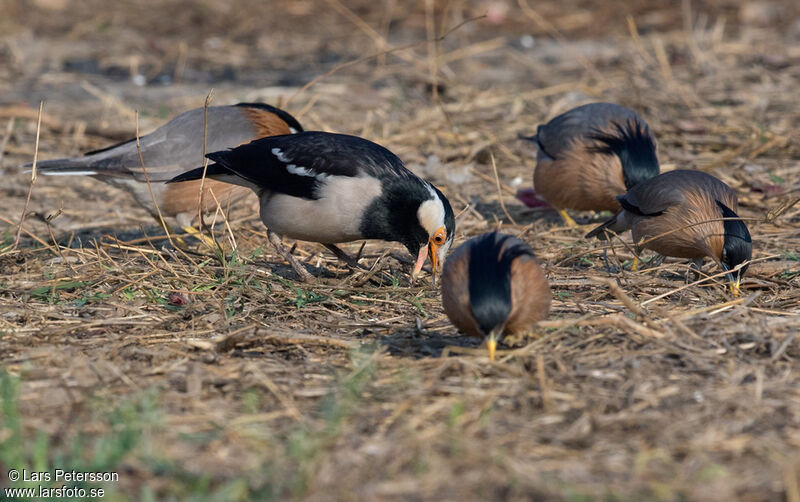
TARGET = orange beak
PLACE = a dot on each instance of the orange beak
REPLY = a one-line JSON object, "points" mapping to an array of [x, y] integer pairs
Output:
{"points": [[433, 252]]}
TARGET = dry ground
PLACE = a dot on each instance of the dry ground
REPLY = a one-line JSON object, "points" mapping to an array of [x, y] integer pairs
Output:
{"points": [[220, 377]]}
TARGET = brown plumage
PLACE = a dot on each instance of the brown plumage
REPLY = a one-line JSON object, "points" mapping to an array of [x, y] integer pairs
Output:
{"points": [[680, 214], [492, 285], [590, 155], [174, 148]]}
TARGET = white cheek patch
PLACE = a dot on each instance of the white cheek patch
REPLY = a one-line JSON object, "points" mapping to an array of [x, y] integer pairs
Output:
{"points": [[280, 155], [431, 215]]}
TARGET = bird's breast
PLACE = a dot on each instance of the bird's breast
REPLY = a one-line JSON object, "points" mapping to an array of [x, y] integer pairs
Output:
{"points": [[335, 216]]}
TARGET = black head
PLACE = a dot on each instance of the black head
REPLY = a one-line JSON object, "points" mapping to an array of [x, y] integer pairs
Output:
{"points": [[633, 144], [416, 214], [490, 258], [738, 246]]}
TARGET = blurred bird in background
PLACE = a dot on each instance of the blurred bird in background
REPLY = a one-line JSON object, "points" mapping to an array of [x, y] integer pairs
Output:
{"points": [[172, 149]]}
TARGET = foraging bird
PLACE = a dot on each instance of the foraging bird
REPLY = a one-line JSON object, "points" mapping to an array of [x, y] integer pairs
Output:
{"points": [[492, 285], [588, 156], [332, 188], [174, 148], [680, 213]]}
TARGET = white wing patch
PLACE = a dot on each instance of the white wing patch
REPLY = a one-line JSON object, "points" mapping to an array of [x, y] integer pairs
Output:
{"points": [[280, 155], [299, 170]]}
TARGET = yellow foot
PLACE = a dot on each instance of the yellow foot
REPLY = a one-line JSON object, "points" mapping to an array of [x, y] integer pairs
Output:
{"points": [[480, 351], [734, 288], [635, 264], [199, 235], [567, 219]]}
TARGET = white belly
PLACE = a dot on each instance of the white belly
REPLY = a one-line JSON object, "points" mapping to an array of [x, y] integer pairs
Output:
{"points": [[334, 217]]}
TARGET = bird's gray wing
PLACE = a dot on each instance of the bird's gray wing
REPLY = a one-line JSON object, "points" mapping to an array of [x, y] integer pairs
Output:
{"points": [[168, 151], [558, 135], [655, 195]]}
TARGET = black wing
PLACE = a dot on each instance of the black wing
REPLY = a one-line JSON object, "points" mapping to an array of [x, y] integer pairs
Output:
{"points": [[297, 164]]}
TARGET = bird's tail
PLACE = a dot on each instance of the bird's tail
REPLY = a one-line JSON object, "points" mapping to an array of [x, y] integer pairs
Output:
{"points": [[214, 171], [78, 166], [601, 231]]}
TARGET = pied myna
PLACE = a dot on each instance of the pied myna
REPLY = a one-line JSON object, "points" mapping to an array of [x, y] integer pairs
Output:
{"points": [[588, 156], [174, 148], [685, 214], [492, 285], [332, 188]]}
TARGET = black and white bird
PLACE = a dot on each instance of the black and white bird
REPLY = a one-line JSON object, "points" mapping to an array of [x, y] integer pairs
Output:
{"points": [[333, 188]]}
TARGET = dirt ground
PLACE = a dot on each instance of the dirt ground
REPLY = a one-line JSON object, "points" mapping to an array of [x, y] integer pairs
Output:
{"points": [[217, 376]]}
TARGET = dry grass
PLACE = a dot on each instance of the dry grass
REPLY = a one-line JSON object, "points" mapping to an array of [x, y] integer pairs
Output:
{"points": [[217, 375]]}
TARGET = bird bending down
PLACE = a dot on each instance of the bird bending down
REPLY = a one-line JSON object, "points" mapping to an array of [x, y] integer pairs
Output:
{"points": [[492, 285], [588, 156], [174, 148], [685, 214], [332, 188]]}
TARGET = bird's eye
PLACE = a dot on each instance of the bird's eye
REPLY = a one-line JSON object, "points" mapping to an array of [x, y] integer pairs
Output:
{"points": [[439, 237]]}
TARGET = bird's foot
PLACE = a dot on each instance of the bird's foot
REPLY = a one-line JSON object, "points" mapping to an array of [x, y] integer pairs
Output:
{"points": [[635, 264], [304, 274], [346, 258], [568, 219], [480, 351], [695, 271], [197, 234], [611, 269]]}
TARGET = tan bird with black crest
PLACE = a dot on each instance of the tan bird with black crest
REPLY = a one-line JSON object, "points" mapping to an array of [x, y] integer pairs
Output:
{"points": [[492, 285], [588, 156], [685, 214]]}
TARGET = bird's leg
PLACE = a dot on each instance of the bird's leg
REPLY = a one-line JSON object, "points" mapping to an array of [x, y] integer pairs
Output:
{"points": [[567, 219], [304, 274], [197, 234], [166, 229], [695, 269], [609, 268], [350, 261], [635, 264]]}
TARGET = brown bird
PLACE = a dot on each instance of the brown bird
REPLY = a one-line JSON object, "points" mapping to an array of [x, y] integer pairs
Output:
{"points": [[588, 156], [685, 214], [492, 285], [174, 148]]}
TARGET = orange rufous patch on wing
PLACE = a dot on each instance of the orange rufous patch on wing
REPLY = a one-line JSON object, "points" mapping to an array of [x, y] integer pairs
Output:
{"points": [[266, 123]]}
